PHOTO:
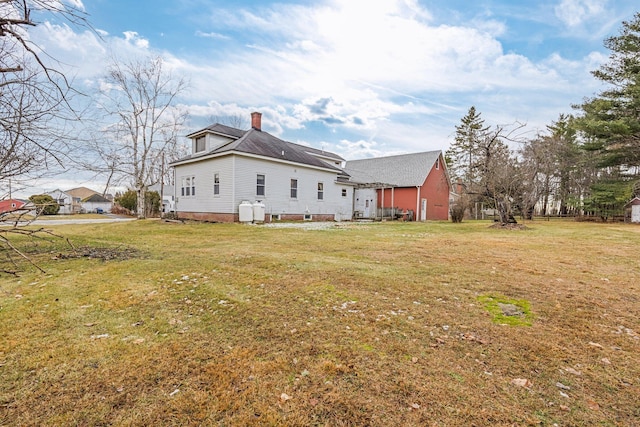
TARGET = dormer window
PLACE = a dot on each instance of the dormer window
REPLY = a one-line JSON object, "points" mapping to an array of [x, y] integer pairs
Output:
{"points": [[201, 143]]}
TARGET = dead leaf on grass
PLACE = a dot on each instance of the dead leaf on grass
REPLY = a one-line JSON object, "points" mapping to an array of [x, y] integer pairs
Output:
{"points": [[284, 397], [595, 344], [593, 405], [572, 371], [521, 382]]}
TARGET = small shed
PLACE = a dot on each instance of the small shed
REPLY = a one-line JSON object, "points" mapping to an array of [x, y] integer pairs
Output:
{"points": [[634, 206]]}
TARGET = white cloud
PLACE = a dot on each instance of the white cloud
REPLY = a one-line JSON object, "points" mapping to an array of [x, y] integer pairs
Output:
{"points": [[382, 71], [576, 12], [134, 39], [212, 35]]}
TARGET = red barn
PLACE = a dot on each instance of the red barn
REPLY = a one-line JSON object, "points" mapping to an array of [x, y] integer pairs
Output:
{"points": [[414, 186], [9, 205]]}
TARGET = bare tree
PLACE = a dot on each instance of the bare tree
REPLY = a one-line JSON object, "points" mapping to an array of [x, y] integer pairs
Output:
{"points": [[15, 17], [34, 96], [32, 130], [498, 170], [238, 121], [140, 95]]}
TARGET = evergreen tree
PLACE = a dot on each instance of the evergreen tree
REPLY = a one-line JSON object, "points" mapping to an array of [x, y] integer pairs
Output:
{"points": [[611, 121], [45, 204], [462, 155]]}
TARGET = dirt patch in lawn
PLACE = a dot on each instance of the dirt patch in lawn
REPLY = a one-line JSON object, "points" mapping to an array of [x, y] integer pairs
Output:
{"points": [[120, 253]]}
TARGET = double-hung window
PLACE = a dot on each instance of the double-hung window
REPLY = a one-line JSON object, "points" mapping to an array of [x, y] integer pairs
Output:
{"points": [[320, 191], [188, 187], [294, 188], [260, 185], [201, 144], [216, 184]]}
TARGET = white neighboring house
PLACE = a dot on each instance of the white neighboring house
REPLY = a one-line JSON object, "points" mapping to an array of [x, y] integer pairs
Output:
{"points": [[97, 204], [229, 166], [168, 196], [65, 201]]}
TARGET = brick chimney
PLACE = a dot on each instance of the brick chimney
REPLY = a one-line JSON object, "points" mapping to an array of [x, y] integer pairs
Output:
{"points": [[256, 120]]}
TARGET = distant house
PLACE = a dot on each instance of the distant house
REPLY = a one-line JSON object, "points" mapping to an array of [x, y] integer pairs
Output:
{"points": [[88, 200], [167, 193], [230, 170], [415, 186], [97, 203], [65, 201], [9, 205], [634, 207]]}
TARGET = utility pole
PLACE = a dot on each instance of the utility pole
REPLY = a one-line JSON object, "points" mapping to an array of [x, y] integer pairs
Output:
{"points": [[162, 188]]}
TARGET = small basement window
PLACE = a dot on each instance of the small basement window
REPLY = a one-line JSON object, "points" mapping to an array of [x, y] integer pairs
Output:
{"points": [[308, 217]]}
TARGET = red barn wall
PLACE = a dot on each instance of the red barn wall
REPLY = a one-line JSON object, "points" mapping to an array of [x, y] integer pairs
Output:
{"points": [[435, 189]]}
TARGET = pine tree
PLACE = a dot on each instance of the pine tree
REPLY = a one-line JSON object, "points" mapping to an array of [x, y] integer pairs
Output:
{"points": [[463, 153], [611, 121]]}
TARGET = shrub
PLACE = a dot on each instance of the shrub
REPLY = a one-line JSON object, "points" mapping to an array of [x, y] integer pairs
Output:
{"points": [[45, 204], [457, 210]]}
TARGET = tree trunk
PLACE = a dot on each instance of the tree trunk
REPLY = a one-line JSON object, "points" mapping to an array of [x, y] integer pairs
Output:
{"points": [[140, 207]]}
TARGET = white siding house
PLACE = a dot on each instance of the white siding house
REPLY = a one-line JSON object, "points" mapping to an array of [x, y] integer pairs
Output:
{"points": [[228, 166], [65, 201]]}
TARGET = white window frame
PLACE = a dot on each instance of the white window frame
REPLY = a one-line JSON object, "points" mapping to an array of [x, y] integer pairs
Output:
{"points": [[320, 191], [261, 186], [203, 140], [188, 186], [294, 188], [216, 183]]}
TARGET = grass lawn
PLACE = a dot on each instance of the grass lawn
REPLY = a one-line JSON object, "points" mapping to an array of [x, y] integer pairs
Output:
{"points": [[359, 324]]}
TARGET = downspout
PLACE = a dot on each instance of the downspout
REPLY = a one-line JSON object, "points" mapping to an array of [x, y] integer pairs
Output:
{"points": [[393, 216], [234, 203], [175, 195]]}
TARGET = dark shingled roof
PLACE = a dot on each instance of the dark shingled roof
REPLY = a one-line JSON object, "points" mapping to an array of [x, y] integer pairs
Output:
{"points": [[261, 143], [220, 129], [97, 198], [405, 170]]}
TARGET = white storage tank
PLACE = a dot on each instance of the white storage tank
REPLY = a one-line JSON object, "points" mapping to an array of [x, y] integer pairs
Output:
{"points": [[245, 211], [258, 211]]}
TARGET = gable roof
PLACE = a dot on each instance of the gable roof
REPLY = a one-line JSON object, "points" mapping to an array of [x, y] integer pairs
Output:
{"points": [[633, 202], [260, 143], [96, 198], [220, 130], [405, 170], [81, 192]]}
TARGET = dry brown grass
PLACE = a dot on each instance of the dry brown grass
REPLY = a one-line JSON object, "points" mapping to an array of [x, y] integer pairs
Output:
{"points": [[380, 324]]}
